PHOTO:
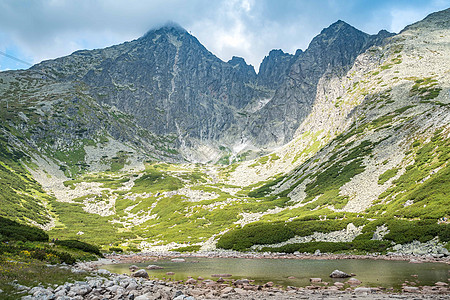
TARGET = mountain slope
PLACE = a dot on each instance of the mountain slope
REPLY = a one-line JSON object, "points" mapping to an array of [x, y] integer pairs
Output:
{"points": [[390, 162], [363, 136]]}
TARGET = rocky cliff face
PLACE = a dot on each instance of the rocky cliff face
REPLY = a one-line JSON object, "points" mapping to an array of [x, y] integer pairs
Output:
{"points": [[167, 81], [170, 86], [274, 69], [332, 52]]}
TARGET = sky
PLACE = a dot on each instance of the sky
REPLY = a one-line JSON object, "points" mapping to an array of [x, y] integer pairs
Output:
{"points": [[36, 30]]}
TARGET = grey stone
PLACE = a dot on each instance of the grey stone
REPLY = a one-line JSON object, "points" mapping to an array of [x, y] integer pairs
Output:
{"points": [[140, 273], [154, 267], [363, 290], [133, 268], [81, 289], [191, 281], [132, 286], [21, 287], [338, 274], [411, 289], [178, 293], [103, 272]]}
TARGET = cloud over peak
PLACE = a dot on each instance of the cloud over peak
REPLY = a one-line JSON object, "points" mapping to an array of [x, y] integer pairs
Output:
{"points": [[45, 29]]}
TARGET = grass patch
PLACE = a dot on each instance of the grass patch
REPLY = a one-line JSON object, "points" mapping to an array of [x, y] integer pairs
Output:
{"points": [[387, 175], [156, 181], [31, 273], [193, 248], [425, 88]]}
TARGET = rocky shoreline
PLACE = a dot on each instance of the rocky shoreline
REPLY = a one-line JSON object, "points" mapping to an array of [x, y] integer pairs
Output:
{"points": [[102, 284], [156, 255]]}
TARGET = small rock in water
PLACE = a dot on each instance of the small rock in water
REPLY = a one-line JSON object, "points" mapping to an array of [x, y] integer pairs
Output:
{"points": [[220, 280], [316, 280], [241, 282], [154, 267], [170, 273], [177, 260], [133, 268], [339, 274], [221, 275], [354, 281], [140, 273]]}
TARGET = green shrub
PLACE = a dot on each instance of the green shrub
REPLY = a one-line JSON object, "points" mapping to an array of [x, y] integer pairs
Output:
{"points": [[266, 188], [404, 231], [74, 244], [193, 248], [133, 249], [311, 247], [330, 247], [254, 234], [259, 233], [11, 230], [42, 254], [387, 175], [115, 249]]}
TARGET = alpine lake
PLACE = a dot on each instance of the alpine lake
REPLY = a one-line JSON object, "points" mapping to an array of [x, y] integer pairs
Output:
{"points": [[297, 272]]}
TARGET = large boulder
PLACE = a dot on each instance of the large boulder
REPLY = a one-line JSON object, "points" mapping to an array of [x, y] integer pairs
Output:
{"points": [[339, 274], [140, 273]]}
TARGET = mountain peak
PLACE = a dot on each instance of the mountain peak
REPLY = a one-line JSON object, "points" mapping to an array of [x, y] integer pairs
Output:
{"points": [[239, 63], [167, 27], [236, 60], [337, 26]]}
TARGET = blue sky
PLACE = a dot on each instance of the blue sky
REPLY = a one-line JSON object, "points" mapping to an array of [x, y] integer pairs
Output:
{"points": [[38, 30]]}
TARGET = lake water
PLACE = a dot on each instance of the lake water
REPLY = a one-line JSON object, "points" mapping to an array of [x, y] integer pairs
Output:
{"points": [[371, 273]]}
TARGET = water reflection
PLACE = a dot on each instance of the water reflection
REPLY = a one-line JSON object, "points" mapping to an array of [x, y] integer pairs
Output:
{"points": [[370, 272]]}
